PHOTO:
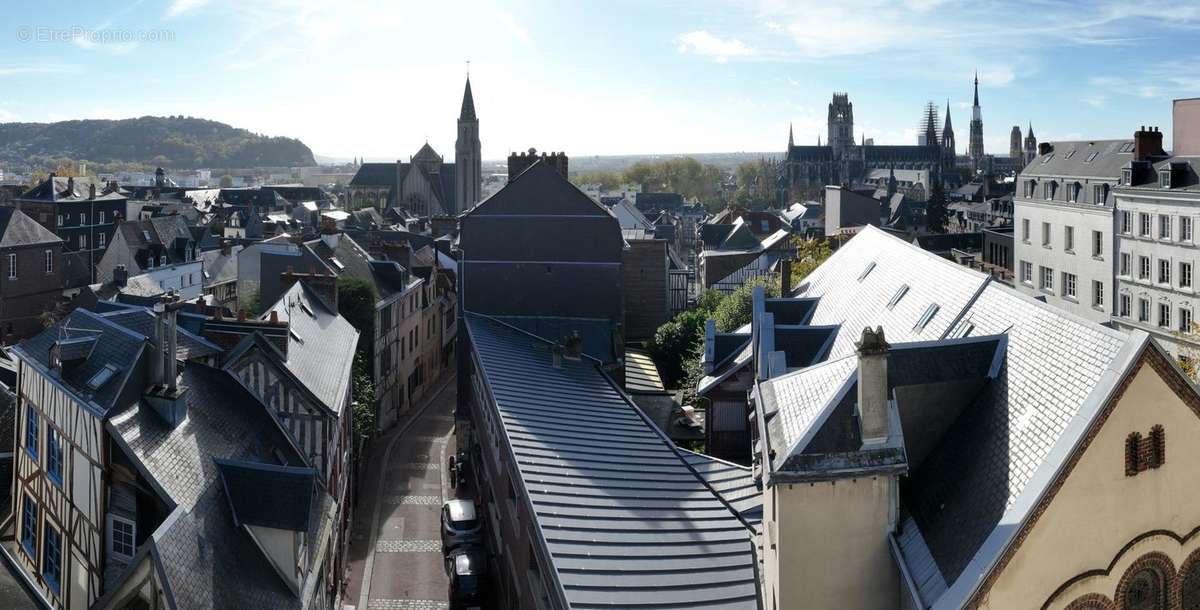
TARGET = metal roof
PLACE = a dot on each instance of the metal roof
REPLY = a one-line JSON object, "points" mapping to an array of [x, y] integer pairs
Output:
{"points": [[626, 521]]}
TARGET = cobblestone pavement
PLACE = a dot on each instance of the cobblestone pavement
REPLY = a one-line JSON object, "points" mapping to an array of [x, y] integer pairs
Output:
{"points": [[395, 554]]}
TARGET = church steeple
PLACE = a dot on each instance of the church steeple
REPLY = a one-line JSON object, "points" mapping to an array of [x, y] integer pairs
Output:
{"points": [[976, 89], [468, 162], [468, 104], [948, 144], [791, 140], [975, 146]]}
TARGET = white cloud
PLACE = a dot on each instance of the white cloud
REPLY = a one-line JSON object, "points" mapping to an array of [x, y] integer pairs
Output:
{"points": [[179, 7], [701, 42], [513, 27], [6, 116], [1095, 101]]}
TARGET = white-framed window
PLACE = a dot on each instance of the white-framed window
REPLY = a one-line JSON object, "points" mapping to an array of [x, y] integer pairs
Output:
{"points": [[121, 537], [12, 266], [1100, 194], [1164, 180], [60, 220], [1046, 234], [100, 241], [1125, 263], [1025, 230], [49, 261], [1144, 268], [1143, 310], [1185, 228], [1097, 293], [103, 217], [1164, 226], [1164, 315], [1069, 282], [1144, 224], [1127, 176], [1073, 192], [1127, 222], [1048, 190], [1027, 272], [1185, 275], [1185, 320], [1164, 271], [1047, 278], [1125, 304], [1069, 238]]}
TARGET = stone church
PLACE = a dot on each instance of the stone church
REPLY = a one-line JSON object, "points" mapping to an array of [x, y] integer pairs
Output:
{"points": [[808, 169], [427, 185]]}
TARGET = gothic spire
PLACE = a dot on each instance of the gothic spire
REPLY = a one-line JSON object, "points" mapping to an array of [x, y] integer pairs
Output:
{"points": [[947, 126], [977, 88], [468, 104], [791, 141]]}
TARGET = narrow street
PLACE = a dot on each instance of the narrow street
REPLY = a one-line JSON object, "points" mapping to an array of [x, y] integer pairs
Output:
{"points": [[395, 551]]}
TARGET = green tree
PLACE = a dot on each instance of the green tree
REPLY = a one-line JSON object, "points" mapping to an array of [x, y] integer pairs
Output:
{"points": [[810, 253], [735, 310], [356, 303], [755, 182], [363, 397], [607, 180], [935, 208], [676, 342], [226, 181]]}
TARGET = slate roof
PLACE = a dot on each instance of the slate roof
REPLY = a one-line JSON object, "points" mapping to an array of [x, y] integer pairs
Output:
{"points": [[220, 268], [375, 174], [626, 520], [289, 488], [205, 560], [321, 344], [18, 229], [140, 320], [1111, 156], [115, 345], [658, 201], [56, 190]]}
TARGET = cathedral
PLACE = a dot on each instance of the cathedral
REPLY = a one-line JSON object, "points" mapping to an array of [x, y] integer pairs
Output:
{"points": [[808, 169], [427, 185]]}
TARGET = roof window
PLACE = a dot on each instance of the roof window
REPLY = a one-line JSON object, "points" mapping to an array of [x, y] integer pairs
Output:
{"points": [[926, 317], [867, 271], [899, 295], [101, 377], [1091, 157]]}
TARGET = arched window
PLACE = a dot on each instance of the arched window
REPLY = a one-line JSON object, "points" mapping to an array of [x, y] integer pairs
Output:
{"points": [[1145, 590]]}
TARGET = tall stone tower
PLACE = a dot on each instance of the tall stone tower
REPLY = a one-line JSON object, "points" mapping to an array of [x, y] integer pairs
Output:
{"points": [[841, 124], [1014, 142], [1030, 145], [468, 161], [975, 151], [948, 147]]}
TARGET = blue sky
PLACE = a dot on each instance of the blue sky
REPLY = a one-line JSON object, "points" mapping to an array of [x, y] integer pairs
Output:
{"points": [[356, 77]]}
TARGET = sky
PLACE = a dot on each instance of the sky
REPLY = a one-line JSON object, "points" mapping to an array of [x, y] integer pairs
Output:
{"points": [[378, 79]]}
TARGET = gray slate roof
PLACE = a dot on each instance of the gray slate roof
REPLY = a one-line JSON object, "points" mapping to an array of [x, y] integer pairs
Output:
{"points": [[320, 344], [627, 522], [1060, 162], [141, 320], [18, 229], [219, 268]]}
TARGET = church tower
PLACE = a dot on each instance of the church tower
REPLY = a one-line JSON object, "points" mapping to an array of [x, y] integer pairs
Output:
{"points": [[467, 157], [948, 147], [1014, 142], [975, 151], [1030, 145], [841, 125]]}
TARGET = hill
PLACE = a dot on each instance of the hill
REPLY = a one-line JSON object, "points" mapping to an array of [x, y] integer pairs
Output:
{"points": [[176, 142]]}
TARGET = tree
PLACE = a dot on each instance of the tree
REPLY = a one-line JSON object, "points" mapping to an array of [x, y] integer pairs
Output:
{"points": [[810, 253], [607, 180], [363, 397], [735, 310], [226, 181], [935, 208], [676, 342], [356, 303], [755, 184]]}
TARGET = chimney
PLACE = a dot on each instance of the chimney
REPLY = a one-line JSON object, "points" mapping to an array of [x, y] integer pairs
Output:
{"points": [[324, 284], [873, 387], [1147, 143], [165, 395], [160, 178], [519, 162], [70, 184], [330, 233], [120, 276], [92, 191], [573, 347], [226, 247], [1044, 147]]}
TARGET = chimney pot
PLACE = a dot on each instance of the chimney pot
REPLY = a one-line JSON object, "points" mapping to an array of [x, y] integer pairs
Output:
{"points": [[873, 416], [274, 317]]}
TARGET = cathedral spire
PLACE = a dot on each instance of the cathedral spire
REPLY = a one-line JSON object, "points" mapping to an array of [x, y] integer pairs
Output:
{"points": [[977, 88], [468, 104], [946, 126], [791, 141]]}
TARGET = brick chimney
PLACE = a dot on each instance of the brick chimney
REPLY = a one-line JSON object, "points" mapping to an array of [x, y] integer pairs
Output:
{"points": [[872, 386], [324, 284], [519, 162], [1147, 143], [1044, 147], [330, 233]]}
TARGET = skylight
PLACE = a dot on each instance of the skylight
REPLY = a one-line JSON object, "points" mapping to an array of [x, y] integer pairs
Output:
{"points": [[1070, 154], [1048, 158], [337, 263], [1091, 157], [899, 295], [926, 317], [101, 377], [867, 271]]}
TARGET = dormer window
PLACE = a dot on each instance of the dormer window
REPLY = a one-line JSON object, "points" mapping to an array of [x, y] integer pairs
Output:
{"points": [[1127, 176], [1164, 179]]}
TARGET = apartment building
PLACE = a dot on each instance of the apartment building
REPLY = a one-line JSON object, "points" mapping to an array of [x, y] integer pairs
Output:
{"points": [[1065, 241]]}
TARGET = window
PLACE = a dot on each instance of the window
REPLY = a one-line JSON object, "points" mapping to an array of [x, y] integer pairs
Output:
{"points": [[53, 455], [1126, 176], [1069, 238], [764, 226], [1125, 306], [60, 220], [1143, 310], [1100, 194], [1097, 293], [1025, 230], [1185, 228], [1185, 275], [1046, 234], [1144, 268], [1164, 271], [1073, 192], [103, 216], [121, 537], [867, 271], [1069, 281], [1125, 260], [52, 557], [1097, 244], [12, 266], [29, 513], [83, 242], [1164, 180], [1185, 320], [49, 261], [1048, 190], [100, 241], [1164, 226], [31, 431], [1127, 222], [1027, 272], [162, 261], [82, 219], [1047, 279], [926, 317], [1164, 315], [1144, 221]]}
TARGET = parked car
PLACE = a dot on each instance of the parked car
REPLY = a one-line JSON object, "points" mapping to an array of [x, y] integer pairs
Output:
{"points": [[460, 523], [467, 566]]}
